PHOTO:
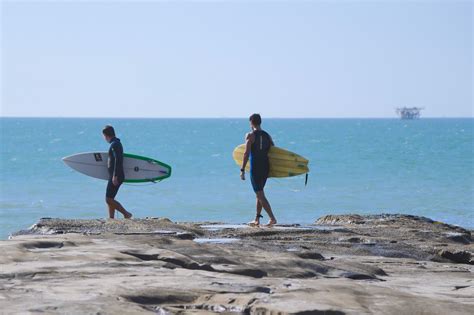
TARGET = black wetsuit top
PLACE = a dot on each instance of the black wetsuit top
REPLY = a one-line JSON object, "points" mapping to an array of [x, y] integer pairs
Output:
{"points": [[259, 163], [115, 160]]}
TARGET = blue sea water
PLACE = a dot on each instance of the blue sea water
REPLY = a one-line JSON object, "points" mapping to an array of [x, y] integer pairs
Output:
{"points": [[422, 167]]}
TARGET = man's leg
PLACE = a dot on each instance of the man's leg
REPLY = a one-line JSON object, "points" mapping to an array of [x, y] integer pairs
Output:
{"points": [[111, 209], [259, 208], [266, 205], [110, 193], [258, 215], [115, 205]]}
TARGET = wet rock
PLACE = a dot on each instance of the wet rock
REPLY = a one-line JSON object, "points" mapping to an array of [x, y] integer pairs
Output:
{"points": [[351, 239], [161, 296], [340, 219], [50, 226], [185, 236], [171, 258], [239, 288], [463, 238], [358, 276], [310, 255], [42, 244], [462, 257], [459, 287]]}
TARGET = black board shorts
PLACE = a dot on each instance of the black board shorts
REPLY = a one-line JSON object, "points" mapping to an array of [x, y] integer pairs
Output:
{"points": [[258, 181], [112, 190]]}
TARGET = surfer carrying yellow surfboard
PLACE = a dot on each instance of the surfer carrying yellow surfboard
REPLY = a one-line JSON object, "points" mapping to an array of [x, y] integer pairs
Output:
{"points": [[257, 145]]}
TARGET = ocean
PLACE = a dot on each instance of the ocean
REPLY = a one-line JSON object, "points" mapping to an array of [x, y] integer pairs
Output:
{"points": [[422, 167]]}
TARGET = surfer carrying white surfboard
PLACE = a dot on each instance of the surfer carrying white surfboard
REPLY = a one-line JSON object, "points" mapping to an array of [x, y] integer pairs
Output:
{"points": [[257, 145], [116, 173]]}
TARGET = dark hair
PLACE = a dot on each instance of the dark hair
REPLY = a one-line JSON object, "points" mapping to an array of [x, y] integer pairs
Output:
{"points": [[256, 119], [109, 131]]}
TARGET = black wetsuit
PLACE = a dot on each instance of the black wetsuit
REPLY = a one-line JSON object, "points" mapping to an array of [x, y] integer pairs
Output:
{"points": [[259, 163], [115, 167]]}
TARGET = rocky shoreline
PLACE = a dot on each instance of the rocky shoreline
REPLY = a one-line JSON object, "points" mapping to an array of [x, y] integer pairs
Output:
{"points": [[340, 264]]}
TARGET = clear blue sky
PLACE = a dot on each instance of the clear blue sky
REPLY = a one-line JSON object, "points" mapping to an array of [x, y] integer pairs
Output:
{"points": [[229, 59]]}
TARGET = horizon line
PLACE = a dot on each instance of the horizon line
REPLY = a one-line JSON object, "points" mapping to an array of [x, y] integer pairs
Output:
{"points": [[232, 117]]}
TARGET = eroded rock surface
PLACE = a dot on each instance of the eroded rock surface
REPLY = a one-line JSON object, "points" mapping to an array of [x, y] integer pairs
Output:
{"points": [[387, 264]]}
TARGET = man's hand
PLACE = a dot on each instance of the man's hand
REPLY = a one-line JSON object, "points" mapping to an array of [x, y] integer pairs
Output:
{"points": [[242, 175], [115, 181]]}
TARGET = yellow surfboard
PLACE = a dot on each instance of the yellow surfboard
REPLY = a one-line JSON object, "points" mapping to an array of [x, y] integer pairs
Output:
{"points": [[283, 163]]}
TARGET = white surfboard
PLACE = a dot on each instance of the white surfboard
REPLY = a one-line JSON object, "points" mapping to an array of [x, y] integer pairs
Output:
{"points": [[137, 169]]}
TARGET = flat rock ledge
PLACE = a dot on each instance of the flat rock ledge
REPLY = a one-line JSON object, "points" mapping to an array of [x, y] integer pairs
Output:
{"points": [[341, 264]]}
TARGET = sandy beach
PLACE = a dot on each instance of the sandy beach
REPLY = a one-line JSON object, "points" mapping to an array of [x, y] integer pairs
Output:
{"points": [[347, 264]]}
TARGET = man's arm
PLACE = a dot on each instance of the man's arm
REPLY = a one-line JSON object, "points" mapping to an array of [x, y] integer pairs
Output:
{"points": [[115, 161], [117, 153], [271, 141], [249, 139]]}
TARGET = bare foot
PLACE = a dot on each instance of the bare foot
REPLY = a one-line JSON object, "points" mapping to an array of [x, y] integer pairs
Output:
{"points": [[271, 223], [128, 215], [254, 223]]}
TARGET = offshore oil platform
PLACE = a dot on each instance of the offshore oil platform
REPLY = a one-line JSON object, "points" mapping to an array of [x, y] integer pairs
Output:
{"points": [[409, 112]]}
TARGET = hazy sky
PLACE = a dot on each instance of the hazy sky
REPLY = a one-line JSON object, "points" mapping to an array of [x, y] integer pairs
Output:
{"points": [[229, 59]]}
